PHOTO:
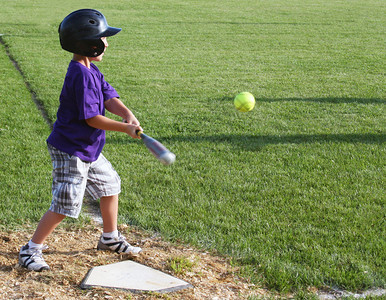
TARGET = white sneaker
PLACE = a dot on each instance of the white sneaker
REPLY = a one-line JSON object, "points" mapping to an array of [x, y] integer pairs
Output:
{"points": [[32, 258], [117, 244]]}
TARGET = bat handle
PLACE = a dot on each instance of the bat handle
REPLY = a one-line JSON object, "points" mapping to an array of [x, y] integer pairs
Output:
{"points": [[138, 132]]}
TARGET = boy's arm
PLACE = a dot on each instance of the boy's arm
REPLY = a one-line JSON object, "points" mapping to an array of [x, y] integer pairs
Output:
{"points": [[104, 123], [116, 106]]}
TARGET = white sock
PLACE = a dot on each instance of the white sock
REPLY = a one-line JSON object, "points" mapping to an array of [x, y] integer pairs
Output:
{"points": [[31, 244], [112, 234]]}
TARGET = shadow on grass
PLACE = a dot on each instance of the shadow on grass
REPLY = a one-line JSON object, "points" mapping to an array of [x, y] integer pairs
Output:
{"points": [[256, 142], [316, 100], [251, 142]]}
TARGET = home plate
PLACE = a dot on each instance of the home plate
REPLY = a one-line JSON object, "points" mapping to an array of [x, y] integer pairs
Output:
{"points": [[132, 276]]}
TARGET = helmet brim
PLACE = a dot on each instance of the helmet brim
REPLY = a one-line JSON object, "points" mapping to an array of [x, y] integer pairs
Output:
{"points": [[110, 31]]}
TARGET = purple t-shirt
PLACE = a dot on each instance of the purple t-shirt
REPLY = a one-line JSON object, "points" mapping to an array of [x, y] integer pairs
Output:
{"points": [[83, 94]]}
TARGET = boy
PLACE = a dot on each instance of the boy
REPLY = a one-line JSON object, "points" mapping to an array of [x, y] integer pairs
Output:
{"points": [[78, 137]]}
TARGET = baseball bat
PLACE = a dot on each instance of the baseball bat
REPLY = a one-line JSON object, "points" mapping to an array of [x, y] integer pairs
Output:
{"points": [[157, 149]]}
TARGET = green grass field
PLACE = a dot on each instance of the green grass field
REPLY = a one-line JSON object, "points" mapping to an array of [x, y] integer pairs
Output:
{"points": [[293, 191]]}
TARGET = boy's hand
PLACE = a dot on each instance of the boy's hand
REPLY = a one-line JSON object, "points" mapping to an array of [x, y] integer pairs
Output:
{"points": [[131, 120], [131, 130], [133, 124]]}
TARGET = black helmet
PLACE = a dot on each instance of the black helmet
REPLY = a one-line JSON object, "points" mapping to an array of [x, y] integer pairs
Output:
{"points": [[81, 32]]}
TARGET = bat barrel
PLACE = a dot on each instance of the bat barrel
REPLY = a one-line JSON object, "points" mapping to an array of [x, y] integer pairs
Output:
{"points": [[167, 158], [157, 149]]}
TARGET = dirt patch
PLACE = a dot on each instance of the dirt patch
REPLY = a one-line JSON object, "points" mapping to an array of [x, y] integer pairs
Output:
{"points": [[72, 253]]}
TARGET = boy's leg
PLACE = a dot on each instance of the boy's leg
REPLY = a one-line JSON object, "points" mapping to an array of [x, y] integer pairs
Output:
{"points": [[46, 226], [104, 180], [68, 187], [111, 239], [30, 255], [109, 211]]}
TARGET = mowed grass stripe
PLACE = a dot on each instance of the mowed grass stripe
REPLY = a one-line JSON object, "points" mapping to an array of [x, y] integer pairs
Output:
{"points": [[24, 161]]}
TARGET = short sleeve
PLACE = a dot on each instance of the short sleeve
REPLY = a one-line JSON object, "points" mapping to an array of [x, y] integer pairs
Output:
{"points": [[108, 91]]}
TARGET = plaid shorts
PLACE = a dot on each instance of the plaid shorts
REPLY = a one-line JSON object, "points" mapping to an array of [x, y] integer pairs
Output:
{"points": [[74, 178]]}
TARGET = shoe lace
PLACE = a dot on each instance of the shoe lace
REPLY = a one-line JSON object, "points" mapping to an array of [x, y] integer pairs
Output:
{"points": [[37, 254], [122, 238]]}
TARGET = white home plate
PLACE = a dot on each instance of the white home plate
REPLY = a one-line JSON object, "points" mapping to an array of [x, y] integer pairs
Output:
{"points": [[132, 276]]}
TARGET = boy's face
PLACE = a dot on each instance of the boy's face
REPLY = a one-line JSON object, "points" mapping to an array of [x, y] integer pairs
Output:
{"points": [[99, 57]]}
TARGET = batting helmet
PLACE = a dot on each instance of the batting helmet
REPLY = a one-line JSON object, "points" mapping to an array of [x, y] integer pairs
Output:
{"points": [[81, 32]]}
